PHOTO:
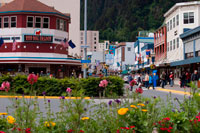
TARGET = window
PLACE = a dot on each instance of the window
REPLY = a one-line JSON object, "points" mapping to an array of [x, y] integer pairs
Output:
{"points": [[174, 43], [174, 22], [45, 22], [167, 26], [189, 55], [29, 21], [58, 24], [65, 25], [0, 22], [95, 47], [188, 18], [81, 33], [6, 22], [129, 48], [170, 24], [177, 20], [94, 34], [81, 38], [95, 38], [61, 25], [38, 22], [177, 40], [95, 42], [170, 45], [13, 21]]}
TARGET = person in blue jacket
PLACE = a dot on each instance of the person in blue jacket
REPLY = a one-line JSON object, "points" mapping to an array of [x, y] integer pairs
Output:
{"points": [[151, 81]]}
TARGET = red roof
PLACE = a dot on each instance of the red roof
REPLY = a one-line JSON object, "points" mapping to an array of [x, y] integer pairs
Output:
{"points": [[28, 5]]}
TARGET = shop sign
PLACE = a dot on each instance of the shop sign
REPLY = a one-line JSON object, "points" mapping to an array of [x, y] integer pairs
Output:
{"points": [[37, 38]]}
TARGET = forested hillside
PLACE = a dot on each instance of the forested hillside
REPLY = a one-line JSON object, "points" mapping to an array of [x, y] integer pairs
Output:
{"points": [[120, 20]]}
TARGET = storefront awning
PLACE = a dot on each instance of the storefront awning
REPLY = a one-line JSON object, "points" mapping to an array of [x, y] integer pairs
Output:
{"points": [[186, 61]]}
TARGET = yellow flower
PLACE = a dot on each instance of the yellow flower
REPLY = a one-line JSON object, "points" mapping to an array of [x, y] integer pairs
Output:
{"points": [[48, 124], [85, 118], [144, 110], [11, 119], [3, 113], [123, 111], [141, 104], [133, 106]]}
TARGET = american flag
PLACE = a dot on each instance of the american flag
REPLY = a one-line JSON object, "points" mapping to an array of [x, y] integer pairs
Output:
{"points": [[65, 43], [14, 46]]}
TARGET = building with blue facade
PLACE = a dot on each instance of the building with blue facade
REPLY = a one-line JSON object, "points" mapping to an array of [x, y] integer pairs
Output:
{"points": [[144, 47]]}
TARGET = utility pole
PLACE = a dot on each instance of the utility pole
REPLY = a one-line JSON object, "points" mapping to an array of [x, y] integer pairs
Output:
{"points": [[85, 30]]}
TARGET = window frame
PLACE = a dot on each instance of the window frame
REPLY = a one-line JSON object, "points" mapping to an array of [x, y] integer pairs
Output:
{"points": [[167, 26], [128, 48], [28, 21], [188, 19], [45, 22], [40, 21], [174, 22], [177, 42], [174, 44], [177, 19], [11, 21], [8, 22], [64, 25], [58, 24], [171, 45], [0, 22], [170, 24]]}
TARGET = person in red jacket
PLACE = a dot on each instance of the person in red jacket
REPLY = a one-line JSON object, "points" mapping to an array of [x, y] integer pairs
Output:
{"points": [[171, 77]]}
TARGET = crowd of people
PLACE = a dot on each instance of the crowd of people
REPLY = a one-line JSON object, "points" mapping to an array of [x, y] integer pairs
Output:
{"points": [[147, 80]]}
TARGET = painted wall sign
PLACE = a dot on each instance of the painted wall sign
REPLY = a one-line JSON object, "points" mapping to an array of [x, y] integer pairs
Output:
{"points": [[36, 38]]}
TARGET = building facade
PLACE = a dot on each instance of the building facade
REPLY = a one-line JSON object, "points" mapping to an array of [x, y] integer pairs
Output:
{"points": [[33, 35], [73, 8], [191, 51], [92, 41], [124, 56], [181, 17]]}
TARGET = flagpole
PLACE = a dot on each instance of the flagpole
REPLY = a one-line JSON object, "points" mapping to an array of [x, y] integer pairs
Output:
{"points": [[85, 30]]}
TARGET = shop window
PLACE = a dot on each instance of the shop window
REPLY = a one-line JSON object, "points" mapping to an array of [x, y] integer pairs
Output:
{"points": [[38, 22], [13, 21], [177, 20], [29, 21], [6, 22], [45, 22], [189, 55], [188, 18]]}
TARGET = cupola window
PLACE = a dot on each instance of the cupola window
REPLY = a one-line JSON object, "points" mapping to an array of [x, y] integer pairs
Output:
{"points": [[13, 21], [30, 22], [6, 22], [45, 22], [38, 22]]}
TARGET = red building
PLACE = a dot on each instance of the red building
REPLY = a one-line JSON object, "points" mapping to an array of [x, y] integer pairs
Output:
{"points": [[160, 45], [34, 35]]}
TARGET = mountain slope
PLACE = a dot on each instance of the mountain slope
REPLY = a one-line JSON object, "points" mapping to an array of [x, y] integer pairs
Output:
{"points": [[120, 20]]}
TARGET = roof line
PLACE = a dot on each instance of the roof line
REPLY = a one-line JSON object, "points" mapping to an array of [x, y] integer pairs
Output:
{"points": [[36, 12]]}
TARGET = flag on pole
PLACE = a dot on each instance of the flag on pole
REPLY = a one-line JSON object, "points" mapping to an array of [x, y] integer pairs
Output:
{"points": [[65, 43], [1, 41], [14, 46], [71, 44]]}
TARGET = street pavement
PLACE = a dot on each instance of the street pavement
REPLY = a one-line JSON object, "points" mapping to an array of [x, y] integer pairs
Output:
{"points": [[176, 92]]}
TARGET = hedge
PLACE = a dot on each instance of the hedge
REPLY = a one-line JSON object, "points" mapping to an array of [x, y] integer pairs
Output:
{"points": [[57, 87]]}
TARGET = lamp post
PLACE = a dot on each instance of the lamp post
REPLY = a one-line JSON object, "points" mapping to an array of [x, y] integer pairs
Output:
{"points": [[85, 30]]}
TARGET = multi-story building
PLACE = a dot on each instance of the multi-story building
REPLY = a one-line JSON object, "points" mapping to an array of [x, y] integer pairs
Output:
{"points": [[92, 41], [142, 60], [179, 18], [34, 35], [124, 56], [66, 6], [191, 51]]}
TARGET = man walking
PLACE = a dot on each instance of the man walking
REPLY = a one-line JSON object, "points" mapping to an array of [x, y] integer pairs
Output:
{"points": [[195, 77], [146, 79]]}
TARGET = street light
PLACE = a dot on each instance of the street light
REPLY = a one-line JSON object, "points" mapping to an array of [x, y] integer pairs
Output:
{"points": [[85, 30]]}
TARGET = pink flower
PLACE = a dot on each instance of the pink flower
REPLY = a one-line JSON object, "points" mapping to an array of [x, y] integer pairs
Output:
{"points": [[139, 90], [103, 83], [69, 90], [5, 86], [32, 78]]}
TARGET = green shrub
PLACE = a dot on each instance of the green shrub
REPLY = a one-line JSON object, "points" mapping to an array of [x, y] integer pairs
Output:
{"points": [[57, 87]]}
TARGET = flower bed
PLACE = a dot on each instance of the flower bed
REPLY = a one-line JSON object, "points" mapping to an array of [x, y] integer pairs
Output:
{"points": [[139, 115]]}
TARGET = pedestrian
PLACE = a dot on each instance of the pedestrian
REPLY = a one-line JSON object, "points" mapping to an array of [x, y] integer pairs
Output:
{"points": [[151, 81], [162, 77], [171, 77], [195, 77], [139, 80], [130, 78], [167, 79], [188, 75], [183, 79], [146, 79]]}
